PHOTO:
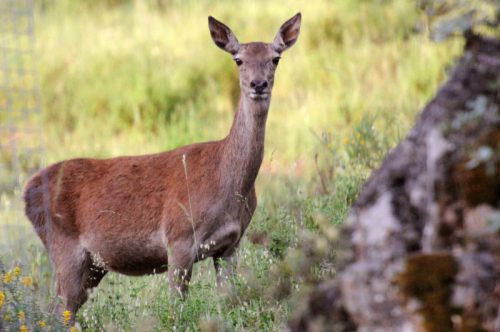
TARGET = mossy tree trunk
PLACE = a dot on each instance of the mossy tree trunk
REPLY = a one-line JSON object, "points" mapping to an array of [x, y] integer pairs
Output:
{"points": [[425, 231]]}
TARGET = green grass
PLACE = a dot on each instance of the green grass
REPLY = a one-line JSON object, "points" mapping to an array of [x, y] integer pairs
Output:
{"points": [[124, 77]]}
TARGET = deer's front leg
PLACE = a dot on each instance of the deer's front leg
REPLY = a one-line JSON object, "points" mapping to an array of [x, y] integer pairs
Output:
{"points": [[224, 268], [180, 268]]}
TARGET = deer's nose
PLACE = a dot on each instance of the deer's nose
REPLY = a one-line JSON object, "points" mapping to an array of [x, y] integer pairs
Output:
{"points": [[258, 85]]}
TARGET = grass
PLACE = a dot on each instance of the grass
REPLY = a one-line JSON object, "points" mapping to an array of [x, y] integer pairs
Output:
{"points": [[128, 77]]}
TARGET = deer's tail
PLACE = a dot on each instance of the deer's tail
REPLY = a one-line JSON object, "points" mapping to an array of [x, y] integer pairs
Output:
{"points": [[37, 203]]}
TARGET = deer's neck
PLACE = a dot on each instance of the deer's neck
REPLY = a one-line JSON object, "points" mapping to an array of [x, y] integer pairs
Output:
{"points": [[244, 146]]}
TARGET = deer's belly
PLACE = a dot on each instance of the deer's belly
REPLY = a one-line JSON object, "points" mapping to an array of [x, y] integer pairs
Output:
{"points": [[129, 255], [136, 266]]}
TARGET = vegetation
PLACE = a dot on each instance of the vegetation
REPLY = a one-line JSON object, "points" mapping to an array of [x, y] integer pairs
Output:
{"points": [[135, 77]]}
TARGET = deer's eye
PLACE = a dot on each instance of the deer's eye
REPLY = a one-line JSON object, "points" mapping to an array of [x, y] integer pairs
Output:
{"points": [[239, 62], [276, 60]]}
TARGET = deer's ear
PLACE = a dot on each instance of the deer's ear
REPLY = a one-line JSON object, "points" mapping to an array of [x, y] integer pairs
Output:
{"points": [[288, 33], [223, 36]]}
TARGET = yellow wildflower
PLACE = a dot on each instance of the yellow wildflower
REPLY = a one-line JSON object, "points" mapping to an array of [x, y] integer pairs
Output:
{"points": [[346, 141], [27, 281], [362, 142], [73, 329], [17, 271], [23, 328], [66, 317], [2, 298], [7, 317], [7, 278], [42, 324], [21, 315]]}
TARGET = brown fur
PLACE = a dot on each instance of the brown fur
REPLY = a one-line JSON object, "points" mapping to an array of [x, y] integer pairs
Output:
{"points": [[146, 214]]}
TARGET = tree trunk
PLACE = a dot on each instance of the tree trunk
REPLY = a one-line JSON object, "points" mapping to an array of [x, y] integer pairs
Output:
{"points": [[425, 230]]}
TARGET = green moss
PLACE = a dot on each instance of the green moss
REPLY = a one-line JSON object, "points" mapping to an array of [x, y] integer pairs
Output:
{"points": [[428, 278]]}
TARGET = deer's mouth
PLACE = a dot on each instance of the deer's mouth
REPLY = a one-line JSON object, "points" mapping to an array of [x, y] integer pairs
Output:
{"points": [[259, 95]]}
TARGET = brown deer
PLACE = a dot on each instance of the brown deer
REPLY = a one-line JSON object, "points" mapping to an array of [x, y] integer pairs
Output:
{"points": [[149, 214]]}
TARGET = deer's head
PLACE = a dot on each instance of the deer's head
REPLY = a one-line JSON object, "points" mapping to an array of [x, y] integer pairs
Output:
{"points": [[257, 61]]}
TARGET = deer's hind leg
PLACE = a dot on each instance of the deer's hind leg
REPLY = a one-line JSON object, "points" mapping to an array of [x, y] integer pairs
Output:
{"points": [[76, 273]]}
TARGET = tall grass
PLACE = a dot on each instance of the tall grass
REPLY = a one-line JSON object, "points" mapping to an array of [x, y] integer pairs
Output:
{"points": [[146, 80], [134, 77]]}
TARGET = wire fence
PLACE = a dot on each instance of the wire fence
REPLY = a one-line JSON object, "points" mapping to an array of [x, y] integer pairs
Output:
{"points": [[21, 147]]}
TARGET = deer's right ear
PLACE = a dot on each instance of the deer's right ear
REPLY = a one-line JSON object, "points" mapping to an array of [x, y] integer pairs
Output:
{"points": [[288, 33], [223, 36]]}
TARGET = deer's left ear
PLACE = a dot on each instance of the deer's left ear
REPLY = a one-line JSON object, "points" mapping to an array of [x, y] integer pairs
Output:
{"points": [[222, 36], [288, 33]]}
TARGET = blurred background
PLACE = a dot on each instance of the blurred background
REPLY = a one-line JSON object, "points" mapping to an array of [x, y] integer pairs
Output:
{"points": [[134, 77], [121, 77]]}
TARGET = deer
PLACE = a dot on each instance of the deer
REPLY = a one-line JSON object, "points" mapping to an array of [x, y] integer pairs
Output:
{"points": [[140, 215]]}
